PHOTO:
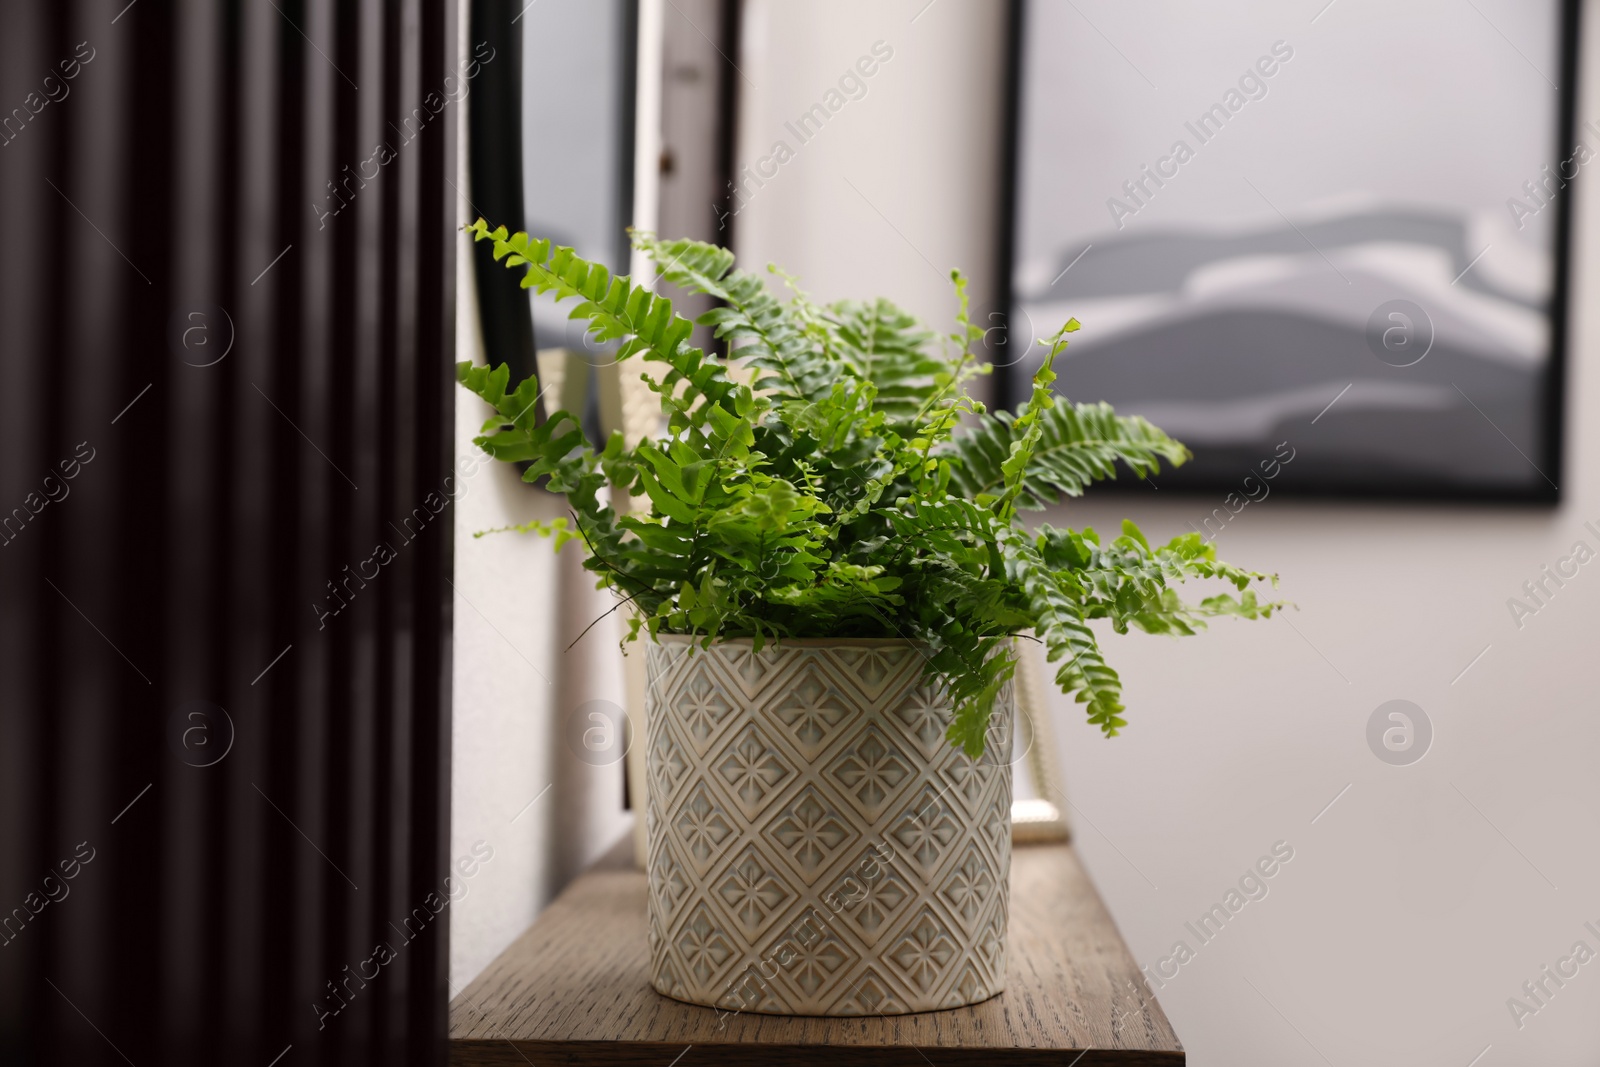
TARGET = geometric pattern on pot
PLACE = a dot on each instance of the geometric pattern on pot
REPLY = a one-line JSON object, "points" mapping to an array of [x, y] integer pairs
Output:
{"points": [[815, 845]]}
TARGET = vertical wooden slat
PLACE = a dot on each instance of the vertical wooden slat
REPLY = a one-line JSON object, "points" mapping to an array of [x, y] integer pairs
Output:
{"points": [[428, 990], [130, 145], [26, 833], [396, 338], [183, 174]]}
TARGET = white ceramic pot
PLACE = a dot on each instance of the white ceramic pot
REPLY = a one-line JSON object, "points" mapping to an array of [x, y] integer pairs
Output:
{"points": [[816, 846]]}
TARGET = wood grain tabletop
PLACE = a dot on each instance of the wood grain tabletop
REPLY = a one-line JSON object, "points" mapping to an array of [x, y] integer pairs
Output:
{"points": [[574, 989]]}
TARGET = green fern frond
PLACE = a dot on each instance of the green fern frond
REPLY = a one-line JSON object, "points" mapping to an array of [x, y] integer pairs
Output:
{"points": [[616, 309], [889, 348], [856, 490], [754, 323], [1078, 444]]}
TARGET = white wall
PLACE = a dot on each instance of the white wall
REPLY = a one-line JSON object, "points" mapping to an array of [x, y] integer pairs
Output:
{"points": [[517, 608], [896, 188], [1419, 902], [516, 785]]}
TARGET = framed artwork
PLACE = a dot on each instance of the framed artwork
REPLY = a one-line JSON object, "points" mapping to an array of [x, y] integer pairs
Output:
{"points": [[1327, 249]]}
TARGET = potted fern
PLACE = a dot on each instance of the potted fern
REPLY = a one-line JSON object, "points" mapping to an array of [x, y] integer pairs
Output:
{"points": [[829, 576]]}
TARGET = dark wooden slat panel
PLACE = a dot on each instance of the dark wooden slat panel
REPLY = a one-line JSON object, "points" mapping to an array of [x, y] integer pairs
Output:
{"points": [[180, 175], [29, 208]]}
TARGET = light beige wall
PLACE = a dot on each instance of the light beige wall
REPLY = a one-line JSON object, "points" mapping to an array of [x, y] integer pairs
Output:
{"points": [[1419, 902], [516, 785], [899, 186]]}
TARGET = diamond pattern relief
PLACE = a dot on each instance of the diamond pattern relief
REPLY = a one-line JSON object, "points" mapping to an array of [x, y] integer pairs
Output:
{"points": [[755, 669], [752, 770], [810, 954], [1001, 742], [925, 717], [998, 835], [968, 989], [668, 765], [870, 770], [754, 992], [702, 946], [925, 952], [702, 828], [872, 671], [752, 893], [871, 994], [810, 833], [815, 846], [702, 707], [969, 886], [870, 896], [669, 885], [660, 664], [992, 940], [969, 780], [812, 710], [927, 830], [665, 977]]}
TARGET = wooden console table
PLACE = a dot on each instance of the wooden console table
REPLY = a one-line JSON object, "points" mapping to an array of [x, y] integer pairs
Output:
{"points": [[573, 990]]}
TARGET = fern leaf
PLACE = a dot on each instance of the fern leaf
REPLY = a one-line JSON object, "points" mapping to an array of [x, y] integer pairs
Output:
{"points": [[888, 347], [1077, 444], [755, 323], [616, 309]]}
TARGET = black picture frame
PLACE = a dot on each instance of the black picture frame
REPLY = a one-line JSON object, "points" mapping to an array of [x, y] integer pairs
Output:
{"points": [[1011, 381]]}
